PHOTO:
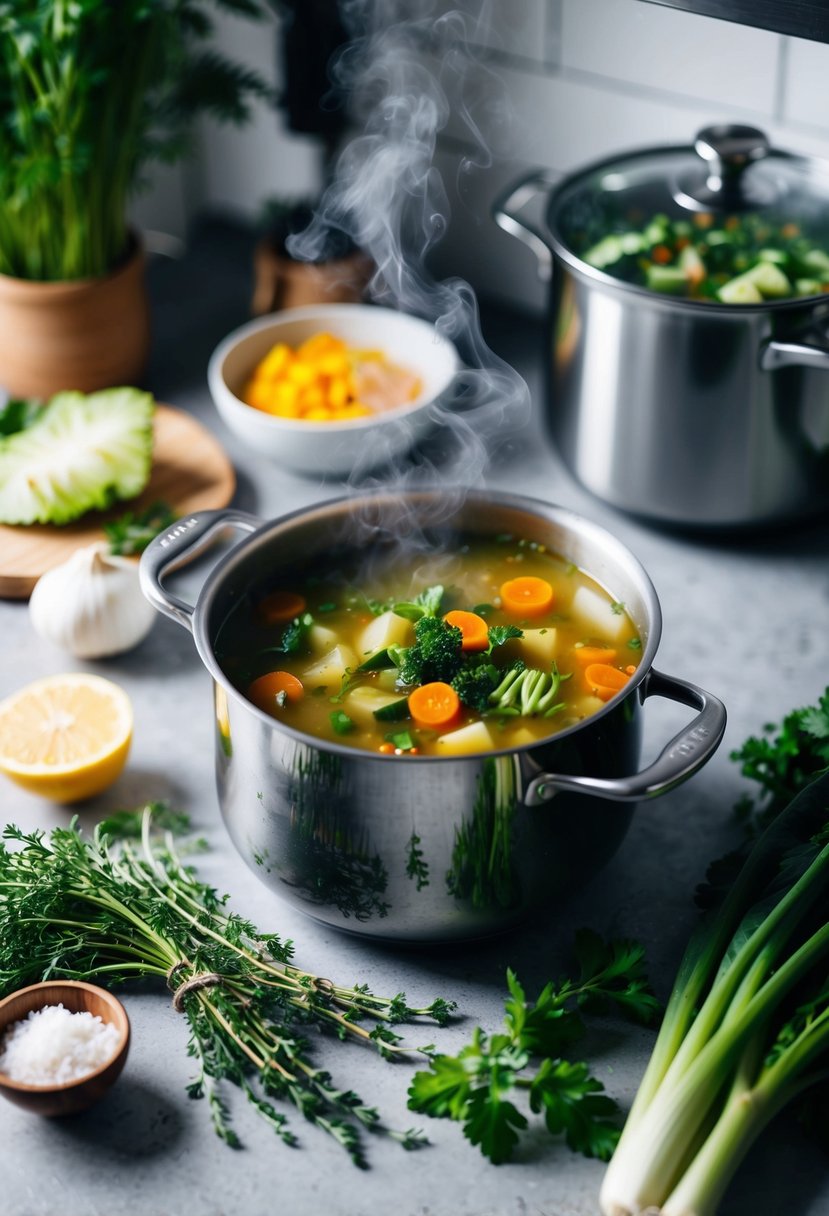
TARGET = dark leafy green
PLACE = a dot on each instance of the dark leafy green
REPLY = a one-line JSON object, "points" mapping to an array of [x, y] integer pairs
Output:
{"points": [[18, 414]]}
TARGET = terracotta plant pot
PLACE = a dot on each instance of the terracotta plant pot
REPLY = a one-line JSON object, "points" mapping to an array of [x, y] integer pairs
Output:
{"points": [[281, 282], [79, 334]]}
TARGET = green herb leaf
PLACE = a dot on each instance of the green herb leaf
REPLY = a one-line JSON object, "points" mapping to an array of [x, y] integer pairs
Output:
{"points": [[16, 415], [476, 1087], [402, 739], [131, 532], [340, 722], [499, 634], [427, 604]]}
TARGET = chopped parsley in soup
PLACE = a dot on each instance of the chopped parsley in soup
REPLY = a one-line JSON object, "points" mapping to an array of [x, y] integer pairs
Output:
{"points": [[495, 645]]}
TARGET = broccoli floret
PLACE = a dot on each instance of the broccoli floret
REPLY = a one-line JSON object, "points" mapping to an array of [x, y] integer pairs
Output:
{"points": [[436, 654], [474, 683]]}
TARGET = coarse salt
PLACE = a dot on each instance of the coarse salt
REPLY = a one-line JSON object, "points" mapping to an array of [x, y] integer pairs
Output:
{"points": [[53, 1046]]}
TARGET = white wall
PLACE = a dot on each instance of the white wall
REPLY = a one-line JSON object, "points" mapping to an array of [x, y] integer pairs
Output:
{"points": [[233, 170], [581, 79]]}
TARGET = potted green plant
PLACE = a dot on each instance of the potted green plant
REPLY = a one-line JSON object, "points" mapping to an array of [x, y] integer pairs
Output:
{"points": [[91, 93]]}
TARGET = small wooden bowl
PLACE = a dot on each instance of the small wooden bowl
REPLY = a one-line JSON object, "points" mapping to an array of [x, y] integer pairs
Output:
{"points": [[77, 997]]}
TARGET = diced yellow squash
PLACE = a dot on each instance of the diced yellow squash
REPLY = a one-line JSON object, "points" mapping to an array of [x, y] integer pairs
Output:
{"points": [[328, 671], [476, 737], [382, 631]]}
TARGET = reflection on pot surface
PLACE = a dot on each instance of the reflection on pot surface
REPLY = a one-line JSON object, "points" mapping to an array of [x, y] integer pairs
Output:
{"points": [[482, 867], [326, 857]]}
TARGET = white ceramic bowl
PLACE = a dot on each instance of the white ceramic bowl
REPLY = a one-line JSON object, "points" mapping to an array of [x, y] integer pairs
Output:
{"points": [[320, 448]]}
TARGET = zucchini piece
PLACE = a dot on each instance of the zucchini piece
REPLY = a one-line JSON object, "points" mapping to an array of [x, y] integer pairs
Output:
{"points": [[657, 230], [818, 262], [669, 280], [378, 661], [778, 256], [769, 280], [807, 287], [740, 291], [605, 253], [397, 711]]}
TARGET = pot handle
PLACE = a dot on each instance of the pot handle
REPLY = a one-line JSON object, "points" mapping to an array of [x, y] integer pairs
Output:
{"points": [[531, 229], [687, 752], [775, 354], [184, 541]]}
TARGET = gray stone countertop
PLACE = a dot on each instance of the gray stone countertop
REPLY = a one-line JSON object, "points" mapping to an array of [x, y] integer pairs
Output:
{"points": [[745, 618]]}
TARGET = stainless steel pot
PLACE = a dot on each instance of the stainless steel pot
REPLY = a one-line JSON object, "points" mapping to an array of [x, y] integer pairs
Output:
{"points": [[692, 413], [416, 848]]}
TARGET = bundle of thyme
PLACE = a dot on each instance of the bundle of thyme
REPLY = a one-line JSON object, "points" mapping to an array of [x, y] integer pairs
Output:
{"points": [[121, 905]]}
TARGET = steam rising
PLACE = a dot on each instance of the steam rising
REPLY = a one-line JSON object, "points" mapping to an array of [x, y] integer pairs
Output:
{"points": [[389, 197]]}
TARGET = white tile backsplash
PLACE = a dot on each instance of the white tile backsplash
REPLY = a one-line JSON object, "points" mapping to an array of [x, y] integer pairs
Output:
{"points": [[562, 123], [805, 84], [680, 52], [553, 83]]}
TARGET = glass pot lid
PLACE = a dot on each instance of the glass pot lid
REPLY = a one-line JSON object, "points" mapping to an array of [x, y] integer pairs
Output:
{"points": [[730, 200]]}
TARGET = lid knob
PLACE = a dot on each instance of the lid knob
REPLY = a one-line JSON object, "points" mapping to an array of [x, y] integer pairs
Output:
{"points": [[729, 149]]}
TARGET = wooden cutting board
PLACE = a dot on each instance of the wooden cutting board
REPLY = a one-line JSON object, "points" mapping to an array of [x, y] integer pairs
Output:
{"points": [[190, 473]]}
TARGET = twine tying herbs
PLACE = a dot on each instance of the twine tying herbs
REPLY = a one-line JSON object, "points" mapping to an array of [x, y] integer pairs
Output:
{"points": [[207, 979]]}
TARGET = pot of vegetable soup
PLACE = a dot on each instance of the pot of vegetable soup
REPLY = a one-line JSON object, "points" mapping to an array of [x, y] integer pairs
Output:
{"points": [[688, 345], [428, 709]]}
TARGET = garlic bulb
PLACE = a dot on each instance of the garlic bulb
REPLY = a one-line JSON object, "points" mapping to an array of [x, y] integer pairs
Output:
{"points": [[91, 605]]}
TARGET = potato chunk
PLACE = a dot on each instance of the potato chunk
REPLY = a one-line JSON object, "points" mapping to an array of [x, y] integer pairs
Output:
{"points": [[361, 703], [328, 672], [473, 738], [321, 639], [537, 647], [597, 614], [383, 631]]}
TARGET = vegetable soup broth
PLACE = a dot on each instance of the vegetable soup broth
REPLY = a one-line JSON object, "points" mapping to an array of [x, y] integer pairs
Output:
{"points": [[296, 649]]}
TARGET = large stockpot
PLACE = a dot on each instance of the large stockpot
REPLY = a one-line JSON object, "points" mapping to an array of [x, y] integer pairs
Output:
{"points": [[418, 848], [692, 413]]}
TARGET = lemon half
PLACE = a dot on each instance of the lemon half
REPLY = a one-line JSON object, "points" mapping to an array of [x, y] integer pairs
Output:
{"points": [[65, 737]]}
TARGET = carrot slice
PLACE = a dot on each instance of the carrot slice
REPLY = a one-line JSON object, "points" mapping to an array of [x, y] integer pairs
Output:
{"points": [[474, 629], [585, 655], [434, 705], [267, 691], [527, 595], [604, 681], [280, 606]]}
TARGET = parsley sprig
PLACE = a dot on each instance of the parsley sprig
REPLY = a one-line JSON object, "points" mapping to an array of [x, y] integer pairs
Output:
{"points": [[476, 1087]]}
